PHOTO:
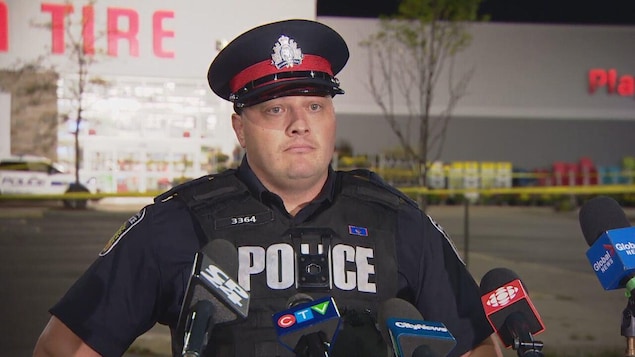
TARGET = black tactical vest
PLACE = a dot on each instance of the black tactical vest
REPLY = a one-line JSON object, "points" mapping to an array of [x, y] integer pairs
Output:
{"points": [[356, 233]]}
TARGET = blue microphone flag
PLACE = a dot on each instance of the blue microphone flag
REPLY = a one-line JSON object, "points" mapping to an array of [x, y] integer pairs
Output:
{"points": [[309, 317], [612, 257]]}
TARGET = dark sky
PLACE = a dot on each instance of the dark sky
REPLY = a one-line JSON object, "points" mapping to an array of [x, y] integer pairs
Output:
{"points": [[616, 12]]}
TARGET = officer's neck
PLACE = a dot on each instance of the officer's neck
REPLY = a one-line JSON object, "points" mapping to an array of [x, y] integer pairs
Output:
{"points": [[298, 195]]}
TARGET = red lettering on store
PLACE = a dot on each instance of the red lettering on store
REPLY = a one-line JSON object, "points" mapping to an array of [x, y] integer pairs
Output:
{"points": [[115, 33], [4, 27], [88, 29], [58, 12], [122, 24], [159, 33], [623, 85]]}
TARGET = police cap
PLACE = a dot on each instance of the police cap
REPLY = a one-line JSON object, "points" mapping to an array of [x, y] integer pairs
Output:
{"points": [[291, 57]]}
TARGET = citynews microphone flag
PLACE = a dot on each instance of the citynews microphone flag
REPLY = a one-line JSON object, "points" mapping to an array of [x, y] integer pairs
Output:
{"points": [[505, 296], [408, 334], [612, 257]]}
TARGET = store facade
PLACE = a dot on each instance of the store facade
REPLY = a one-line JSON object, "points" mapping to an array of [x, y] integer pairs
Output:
{"points": [[539, 92]]}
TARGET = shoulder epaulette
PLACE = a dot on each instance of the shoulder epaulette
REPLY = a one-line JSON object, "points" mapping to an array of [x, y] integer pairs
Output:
{"points": [[206, 187], [372, 186]]}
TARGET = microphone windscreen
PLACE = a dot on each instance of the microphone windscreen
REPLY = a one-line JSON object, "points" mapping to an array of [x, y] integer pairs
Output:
{"points": [[395, 308], [224, 255], [228, 305], [297, 299], [496, 278], [599, 215], [504, 294], [403, 328]]}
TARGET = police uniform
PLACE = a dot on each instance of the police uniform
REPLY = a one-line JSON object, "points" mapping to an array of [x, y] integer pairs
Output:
{"points": [[376, 242]]}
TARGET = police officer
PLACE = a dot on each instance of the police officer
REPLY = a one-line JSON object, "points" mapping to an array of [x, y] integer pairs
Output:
{"points": [[284, 202]]}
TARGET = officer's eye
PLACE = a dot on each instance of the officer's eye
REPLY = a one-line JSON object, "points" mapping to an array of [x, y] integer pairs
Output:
{"points": [[315, 107], [274, 110]]}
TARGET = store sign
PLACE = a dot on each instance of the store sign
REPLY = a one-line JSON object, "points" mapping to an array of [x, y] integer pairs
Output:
{"points": [[122, 25], [614, 83]]}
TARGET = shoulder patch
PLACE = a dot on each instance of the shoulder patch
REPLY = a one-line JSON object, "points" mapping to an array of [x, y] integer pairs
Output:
{"points": [[125, 228]]}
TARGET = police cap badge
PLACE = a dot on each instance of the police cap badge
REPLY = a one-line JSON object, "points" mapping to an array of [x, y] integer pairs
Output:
{"points": [[291, 57]]}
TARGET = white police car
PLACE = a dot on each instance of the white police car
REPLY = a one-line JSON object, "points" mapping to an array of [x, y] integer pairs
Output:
{"points": [[36, 175]]}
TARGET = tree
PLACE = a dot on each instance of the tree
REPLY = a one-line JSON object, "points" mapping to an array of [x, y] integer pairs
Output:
{"points": [[33, 108], [406, 59], [81, 52]]}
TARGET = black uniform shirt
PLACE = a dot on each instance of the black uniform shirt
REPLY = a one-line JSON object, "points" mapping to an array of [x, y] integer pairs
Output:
{"points": [[141, 275]]}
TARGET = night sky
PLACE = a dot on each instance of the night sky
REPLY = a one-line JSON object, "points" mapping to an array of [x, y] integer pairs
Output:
{"points": [[593, 12]]}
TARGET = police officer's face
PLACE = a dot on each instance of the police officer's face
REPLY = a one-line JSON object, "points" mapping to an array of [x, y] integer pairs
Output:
{"points": [[289, 140]]}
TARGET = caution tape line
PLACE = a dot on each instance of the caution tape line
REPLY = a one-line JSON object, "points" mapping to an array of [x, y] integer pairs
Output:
{"points": [[534, 190]]}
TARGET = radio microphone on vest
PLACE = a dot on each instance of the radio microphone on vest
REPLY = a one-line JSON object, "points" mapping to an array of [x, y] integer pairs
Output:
{"points": [[212, 297], [403, 328], [611, 241], [510, 311], [307, 327]]}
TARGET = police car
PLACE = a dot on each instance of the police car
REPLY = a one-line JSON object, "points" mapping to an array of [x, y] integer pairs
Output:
{"points": [[36, 175]]}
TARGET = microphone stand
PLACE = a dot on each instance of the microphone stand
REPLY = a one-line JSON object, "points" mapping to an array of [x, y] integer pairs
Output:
{"points": [[524, 342], [528, 349], [628, 325]]}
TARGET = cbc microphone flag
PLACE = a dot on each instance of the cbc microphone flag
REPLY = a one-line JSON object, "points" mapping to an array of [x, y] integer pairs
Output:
{"points": [[504, 300]]}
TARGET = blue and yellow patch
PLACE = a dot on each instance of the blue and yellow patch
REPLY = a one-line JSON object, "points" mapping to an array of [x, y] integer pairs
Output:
{"points": [[125, 228]]}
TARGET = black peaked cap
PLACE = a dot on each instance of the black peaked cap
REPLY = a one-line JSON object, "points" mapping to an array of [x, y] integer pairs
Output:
{"points": [[257, 45]]}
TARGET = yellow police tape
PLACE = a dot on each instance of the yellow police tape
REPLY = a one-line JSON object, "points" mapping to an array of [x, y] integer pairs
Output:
{"points": [[528, 190]]}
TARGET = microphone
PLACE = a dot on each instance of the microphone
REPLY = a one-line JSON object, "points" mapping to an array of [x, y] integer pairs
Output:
{"points": [[403, 327], [510, 311], [611, 241], [307, 327], [611, 238], [212, 297]]}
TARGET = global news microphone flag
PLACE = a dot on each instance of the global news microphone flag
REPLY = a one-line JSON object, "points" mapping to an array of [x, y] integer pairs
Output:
{"points": [[612, 242]]}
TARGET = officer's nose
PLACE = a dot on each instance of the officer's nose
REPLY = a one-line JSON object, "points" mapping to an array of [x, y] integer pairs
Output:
{"points": [[299, 124]]}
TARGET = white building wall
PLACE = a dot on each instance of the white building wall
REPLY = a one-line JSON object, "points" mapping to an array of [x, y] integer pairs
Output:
{"points": [[5, 124], [520, 70]]}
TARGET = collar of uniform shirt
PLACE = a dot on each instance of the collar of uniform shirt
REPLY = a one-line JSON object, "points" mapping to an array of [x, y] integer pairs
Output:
{"points": [[258, 190]]}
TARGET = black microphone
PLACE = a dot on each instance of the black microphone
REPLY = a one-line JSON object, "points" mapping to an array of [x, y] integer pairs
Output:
{"points": [[510, 311], [403, 328], [611, 241], [212, 297], [611, 252], [308, 327]]}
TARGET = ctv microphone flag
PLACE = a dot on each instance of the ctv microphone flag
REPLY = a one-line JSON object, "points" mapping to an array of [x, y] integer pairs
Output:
{"points": [[319, 316]]}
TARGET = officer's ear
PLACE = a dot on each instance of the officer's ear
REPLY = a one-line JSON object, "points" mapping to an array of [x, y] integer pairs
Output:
{"points": [[237, 124]]}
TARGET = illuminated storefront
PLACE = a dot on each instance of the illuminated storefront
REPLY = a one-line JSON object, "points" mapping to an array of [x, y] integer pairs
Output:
{"points": [[148, 116]]}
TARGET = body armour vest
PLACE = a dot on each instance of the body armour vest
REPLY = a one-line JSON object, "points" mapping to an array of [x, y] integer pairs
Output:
{"points": [[346, 251]]}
